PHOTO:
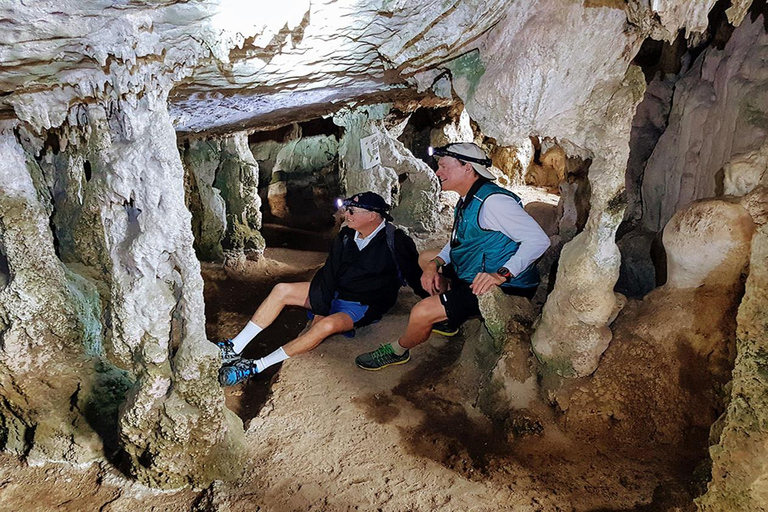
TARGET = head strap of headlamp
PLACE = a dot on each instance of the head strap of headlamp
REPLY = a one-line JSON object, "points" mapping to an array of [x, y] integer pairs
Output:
{"points": [[443, 151], [349, 202]]}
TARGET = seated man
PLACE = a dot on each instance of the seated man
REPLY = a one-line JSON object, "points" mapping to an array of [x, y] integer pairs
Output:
{"points": [[368, 262], [494, 242]]}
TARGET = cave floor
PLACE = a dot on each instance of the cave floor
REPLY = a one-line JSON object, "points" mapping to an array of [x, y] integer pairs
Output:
{"points": [[324, 435]]}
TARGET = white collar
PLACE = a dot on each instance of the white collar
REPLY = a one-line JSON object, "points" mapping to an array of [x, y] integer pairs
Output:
{"points": [[369, 237]]}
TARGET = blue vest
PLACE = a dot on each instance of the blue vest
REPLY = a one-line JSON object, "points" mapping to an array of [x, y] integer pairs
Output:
{"points": [[475, 250]]}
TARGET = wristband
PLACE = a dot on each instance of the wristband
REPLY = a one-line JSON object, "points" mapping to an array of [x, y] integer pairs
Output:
{"points": [[438, 262]]}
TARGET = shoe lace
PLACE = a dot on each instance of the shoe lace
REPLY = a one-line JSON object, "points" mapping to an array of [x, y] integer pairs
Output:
{"points": [[244, 369], [382, 352]]}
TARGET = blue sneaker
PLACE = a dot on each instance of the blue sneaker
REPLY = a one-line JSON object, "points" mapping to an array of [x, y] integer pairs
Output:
{"points": [[238, 372], [228, 354]]}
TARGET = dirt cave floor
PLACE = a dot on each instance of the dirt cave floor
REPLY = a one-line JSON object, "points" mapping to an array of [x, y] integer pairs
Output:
{"points": [[324, 435]]}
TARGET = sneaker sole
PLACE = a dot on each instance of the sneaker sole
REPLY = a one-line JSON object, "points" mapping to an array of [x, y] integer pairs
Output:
{"points": [[383, 366], [447, 334]]}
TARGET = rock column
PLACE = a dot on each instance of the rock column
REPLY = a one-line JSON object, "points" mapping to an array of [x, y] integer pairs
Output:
{"points": [[222, 193], [174, 427], [574, 328], [209, 213], [238, 180]]}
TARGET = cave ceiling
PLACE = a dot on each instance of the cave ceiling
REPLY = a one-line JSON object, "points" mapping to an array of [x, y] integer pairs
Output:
{"points": [[231, 65]]}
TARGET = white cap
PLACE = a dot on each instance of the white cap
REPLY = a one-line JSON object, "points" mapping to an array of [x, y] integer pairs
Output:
{"points": [[472, 150]]}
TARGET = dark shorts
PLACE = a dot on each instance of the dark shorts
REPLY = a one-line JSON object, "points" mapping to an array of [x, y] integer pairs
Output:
{"points": [[461, 304]]}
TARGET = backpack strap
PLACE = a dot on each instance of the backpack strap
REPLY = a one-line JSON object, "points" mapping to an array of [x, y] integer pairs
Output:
{"points": [[390, 230]]}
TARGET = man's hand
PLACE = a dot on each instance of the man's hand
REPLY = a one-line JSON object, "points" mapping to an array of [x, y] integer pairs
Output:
{"points": [[431, 280], [484, 282]]}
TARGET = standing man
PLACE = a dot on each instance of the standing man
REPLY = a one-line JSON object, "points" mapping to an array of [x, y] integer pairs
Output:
{"points": [[494, 242], [359, 283]]}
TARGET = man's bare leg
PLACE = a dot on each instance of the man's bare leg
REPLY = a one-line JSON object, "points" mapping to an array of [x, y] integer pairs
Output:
{"points": [[283, 294], [427, 312], [320, 330]]}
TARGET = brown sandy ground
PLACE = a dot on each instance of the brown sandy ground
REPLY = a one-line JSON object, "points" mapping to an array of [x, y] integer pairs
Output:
{"points": [[332, 437]]}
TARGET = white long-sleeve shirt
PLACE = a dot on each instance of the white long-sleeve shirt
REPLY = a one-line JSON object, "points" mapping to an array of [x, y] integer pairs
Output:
{"points": [[500, 212]]}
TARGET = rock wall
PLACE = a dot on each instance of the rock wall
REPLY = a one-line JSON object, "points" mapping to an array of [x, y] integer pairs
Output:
{"points": [[415, 198], [739, 448], [719, 113], [49, 327], [649, 124]]}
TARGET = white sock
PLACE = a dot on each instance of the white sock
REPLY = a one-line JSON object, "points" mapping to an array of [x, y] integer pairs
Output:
{"points": [[398, 348], [246, 335], [278, 356]]}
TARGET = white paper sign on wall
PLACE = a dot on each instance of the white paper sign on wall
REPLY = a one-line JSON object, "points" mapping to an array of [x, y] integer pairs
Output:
{"points": [[369, 147]]}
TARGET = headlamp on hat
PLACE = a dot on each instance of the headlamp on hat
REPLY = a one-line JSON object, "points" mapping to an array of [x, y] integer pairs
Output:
{"points": [[444, 151], [367, 201]]}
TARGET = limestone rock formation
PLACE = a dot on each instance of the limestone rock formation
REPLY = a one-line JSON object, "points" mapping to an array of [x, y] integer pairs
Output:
{"points": [[648, 125], [744, 173], [174, 425], [719, 112], [209, 214], [49, 320], [95, 92], [131, 236], [724, 228], [509, 385], [414, 199], [665, 381], [303, 180], [738, 470]]}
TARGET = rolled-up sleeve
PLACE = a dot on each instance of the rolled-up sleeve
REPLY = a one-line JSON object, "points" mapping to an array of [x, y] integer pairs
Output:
{"points": [[501, 212], [445, 253]]}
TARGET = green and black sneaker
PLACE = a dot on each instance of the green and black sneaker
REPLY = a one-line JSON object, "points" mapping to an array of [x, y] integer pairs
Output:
{"points": [[445, 329], [381, 358]]}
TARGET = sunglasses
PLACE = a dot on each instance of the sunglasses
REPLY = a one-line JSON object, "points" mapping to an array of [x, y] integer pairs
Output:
{"points": [[352, 210]]}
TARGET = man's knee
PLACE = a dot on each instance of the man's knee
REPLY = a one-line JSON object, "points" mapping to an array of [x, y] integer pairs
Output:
{"points": [[331, 325], [281, 290], [428, 310], [288, 293]]}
